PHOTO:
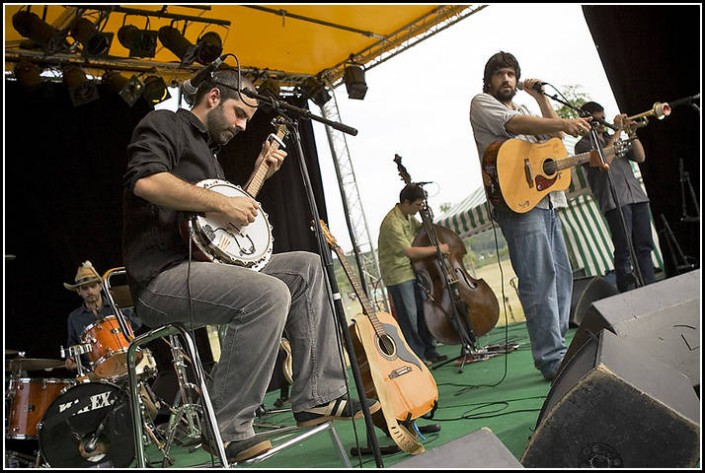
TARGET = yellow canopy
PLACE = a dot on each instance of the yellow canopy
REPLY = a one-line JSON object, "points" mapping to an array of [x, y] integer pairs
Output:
{"points": [[287, 41]]}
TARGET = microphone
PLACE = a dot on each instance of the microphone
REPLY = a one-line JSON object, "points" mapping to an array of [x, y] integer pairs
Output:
{"points": [[190, 86], [678, 102], [537, 86]]}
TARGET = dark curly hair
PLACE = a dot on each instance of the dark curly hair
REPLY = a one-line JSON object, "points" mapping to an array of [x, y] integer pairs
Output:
{"points": [[411, 193], [498, 61]]}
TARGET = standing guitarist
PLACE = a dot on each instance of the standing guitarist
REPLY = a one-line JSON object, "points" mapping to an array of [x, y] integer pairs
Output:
{"points": [[536, 247]]}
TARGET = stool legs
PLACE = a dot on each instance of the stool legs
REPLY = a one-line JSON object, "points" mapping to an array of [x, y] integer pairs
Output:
{"points": [[211, 422]]}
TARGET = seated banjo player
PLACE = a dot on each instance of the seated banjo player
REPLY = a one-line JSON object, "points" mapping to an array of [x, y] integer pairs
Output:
{"points": [[169, 155]]}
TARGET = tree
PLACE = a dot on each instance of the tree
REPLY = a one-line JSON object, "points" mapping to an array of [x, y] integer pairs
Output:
{"points": [[575, 97]]}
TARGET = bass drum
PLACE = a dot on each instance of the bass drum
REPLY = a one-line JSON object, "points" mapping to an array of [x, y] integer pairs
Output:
{"points": [[90, 425]]}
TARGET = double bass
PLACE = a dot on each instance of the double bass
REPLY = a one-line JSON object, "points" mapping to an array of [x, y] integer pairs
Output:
{"points": [[457, 307]]}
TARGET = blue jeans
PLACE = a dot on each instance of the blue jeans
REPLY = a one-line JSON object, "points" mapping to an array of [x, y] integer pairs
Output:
{"points": [[638, 222], [540, 260], [410, 319], [290, 294]]}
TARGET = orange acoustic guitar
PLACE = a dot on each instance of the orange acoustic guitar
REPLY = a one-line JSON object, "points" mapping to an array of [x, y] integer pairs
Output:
{"points": [[518, 174], [390, 370]]}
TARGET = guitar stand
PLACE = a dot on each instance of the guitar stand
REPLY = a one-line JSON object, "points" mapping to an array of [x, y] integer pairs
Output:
{"points": [[392, 449]]}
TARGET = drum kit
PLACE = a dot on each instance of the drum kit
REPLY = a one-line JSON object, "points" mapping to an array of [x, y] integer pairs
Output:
{"points": [[77, 422]]}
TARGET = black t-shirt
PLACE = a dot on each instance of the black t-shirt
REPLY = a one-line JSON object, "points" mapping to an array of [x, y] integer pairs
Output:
{"points": [[163, 141]]}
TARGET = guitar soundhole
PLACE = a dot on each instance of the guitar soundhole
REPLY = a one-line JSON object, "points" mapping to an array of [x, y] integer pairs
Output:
{"points": [[386, 346], [550, 167]]}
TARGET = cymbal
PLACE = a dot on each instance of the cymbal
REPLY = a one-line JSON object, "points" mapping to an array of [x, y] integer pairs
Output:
{"points": [[11, 352], [29, 364]]}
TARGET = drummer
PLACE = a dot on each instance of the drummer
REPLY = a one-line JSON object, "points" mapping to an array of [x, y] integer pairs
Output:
{"points": [[95, 307]]}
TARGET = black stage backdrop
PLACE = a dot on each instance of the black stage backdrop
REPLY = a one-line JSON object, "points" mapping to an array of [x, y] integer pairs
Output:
{"points": [[651, 53], [63, 200]]}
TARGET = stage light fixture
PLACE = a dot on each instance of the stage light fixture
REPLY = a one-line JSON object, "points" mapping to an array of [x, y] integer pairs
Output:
{"points": [[30, 26], [155, 90], [209, 47], [205, 51], [130, 90], [313, 89], [28, 74], [141, 43], [270, 88], [95, 43], [81, 90], [354, 78]]}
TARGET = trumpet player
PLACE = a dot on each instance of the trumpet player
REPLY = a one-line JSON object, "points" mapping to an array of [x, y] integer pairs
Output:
{"points": [[632, 198]]}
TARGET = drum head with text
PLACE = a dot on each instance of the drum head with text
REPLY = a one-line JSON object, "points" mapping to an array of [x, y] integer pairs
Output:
{"points": [[90, 425]]}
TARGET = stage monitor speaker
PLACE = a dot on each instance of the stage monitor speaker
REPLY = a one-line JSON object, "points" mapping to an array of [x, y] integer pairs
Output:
{"points": [[479, 449], [662, 318], [616, 406], [587, 290]]}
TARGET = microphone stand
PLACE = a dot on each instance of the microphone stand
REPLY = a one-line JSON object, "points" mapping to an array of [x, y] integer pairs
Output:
{"points": [[613, 190], [333, 291]]}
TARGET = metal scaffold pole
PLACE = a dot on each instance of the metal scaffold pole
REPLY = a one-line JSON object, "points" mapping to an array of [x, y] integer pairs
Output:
{"points": [[363, 247]]}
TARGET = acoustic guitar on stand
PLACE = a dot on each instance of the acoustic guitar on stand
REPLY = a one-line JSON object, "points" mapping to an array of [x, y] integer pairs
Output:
{"points": [[390, 370], [518, 174]]}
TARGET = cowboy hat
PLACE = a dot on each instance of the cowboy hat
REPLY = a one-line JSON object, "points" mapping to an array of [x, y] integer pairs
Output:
{"points": [[86, 274]]}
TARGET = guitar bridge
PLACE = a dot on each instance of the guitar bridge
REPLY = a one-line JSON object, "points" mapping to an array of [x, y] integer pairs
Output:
{"points": [[399, 372], [528, 173]]}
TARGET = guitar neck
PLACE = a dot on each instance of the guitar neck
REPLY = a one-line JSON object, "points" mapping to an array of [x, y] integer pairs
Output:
{"points": [[254, 185], [584, 158], [367, 307]]}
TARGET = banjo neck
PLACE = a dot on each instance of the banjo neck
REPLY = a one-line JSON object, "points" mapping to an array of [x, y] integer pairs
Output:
{"points": [[254, 184]]}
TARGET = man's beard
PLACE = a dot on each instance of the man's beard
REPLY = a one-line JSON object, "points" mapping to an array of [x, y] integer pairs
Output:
{"points": [[219, 130], [505, 96]]}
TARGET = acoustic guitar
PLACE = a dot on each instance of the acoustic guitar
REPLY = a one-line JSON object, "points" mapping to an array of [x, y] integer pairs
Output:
{"points": [[390, 370], [518, 174], [217, 240]]}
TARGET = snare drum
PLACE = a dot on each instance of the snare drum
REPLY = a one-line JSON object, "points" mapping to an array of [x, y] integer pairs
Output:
{"points": [[30, 400], [108, 353]]}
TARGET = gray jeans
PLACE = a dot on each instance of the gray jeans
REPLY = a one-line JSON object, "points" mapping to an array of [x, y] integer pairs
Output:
{"points": [[289, 294]]}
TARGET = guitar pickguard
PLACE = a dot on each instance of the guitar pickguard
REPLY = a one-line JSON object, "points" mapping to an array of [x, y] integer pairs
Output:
{"points": [[401, 351]]}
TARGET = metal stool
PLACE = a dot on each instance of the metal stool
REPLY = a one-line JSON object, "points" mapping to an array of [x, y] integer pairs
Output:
{"points": [[119, 298], [170, 330]]}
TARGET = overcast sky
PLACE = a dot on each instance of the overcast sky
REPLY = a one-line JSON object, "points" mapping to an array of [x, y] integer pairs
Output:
{"points": [[417, 104]]}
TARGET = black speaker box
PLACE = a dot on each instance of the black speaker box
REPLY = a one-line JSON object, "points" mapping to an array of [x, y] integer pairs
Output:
{"points": [[616, 406], [662, 319], [587, 290], [479, 449]]}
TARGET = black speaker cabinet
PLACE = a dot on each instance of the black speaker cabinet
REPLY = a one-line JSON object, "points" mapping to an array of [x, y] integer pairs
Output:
{"points": [[662, 319], [616, 406], [479, 449], [587, 290]]}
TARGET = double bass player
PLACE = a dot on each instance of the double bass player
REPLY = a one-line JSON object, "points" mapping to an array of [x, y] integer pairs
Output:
{"points": [[396, 253]]}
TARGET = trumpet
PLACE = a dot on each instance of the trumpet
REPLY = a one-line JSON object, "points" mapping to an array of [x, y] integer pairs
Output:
{"points": [[659, 110]]}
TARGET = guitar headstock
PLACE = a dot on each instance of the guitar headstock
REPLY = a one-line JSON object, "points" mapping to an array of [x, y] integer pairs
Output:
{"points": [[330, 239], [402, 170]]}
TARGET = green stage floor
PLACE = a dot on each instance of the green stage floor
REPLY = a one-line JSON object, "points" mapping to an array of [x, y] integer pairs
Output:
{"points": [[504, 393]]}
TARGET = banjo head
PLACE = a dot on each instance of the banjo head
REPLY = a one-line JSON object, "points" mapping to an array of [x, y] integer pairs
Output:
{"points": [[249, 246]]}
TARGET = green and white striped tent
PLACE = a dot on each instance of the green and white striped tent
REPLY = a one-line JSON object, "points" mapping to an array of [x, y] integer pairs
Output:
{"points": [[584, 227]]}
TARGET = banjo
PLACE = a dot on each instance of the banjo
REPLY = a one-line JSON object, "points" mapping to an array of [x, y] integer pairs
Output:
{"points": [[215, 239]]}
